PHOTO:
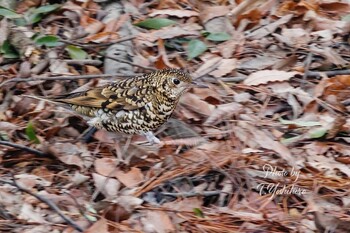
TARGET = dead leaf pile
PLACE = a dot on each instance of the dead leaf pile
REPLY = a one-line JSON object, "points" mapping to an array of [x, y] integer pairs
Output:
{"points": [[264, 148]]}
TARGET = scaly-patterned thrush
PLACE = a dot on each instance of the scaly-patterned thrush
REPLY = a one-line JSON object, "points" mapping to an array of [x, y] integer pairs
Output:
{"points": [[135, 105]]}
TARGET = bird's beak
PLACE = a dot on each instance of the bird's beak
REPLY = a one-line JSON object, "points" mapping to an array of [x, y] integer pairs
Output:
{"points": [[200, 85]]}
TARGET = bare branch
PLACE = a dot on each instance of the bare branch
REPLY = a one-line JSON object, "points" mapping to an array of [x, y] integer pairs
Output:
{"points": [[51, 204], [25, 148]]}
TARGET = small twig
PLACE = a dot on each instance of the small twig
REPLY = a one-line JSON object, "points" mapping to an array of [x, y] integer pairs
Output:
{"points": [[92, 47], [80, 208], [241, 7], [328, 73], [84, 62], [192, 194], [128, 62], [98, 45], [25, 148], [69, 77], [51, 204]]}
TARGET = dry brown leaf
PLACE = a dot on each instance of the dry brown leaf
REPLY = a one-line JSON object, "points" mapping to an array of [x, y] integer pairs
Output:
{"points": [[23, 6], [109, 187], [209, 13], [335, 6], [210, 63], [28, 181], [322, 23], [102, 37], [129, 202], [188, 114], [230, 47], [101, 226], [225, 66], [69, 153], [169, 32], [330, 54], [294, 37], [113, 25], [211, 95], [174, 12], [327, 165], [194, 141], [59, 67], [259, 62], [106, 166], [130, 178], [91, 26], [158, 221], [269, 28], [197, 105], [30, 214], [265, 76], [7, 126], [265, 141], [222, 112], [4, 30]]}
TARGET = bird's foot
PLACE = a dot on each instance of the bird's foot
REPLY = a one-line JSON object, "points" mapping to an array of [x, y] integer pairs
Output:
{"points": [[151, 138]]}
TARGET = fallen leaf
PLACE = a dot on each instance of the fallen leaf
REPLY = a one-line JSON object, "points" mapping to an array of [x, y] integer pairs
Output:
{"points": [[269, 28], [224, 67], [108, 186], [101, 226], [197, 105], [222, 112], [106, 166], [265, 76], [174, 12], [209, 13], [170, 32], [158, 221], [130, 178]]}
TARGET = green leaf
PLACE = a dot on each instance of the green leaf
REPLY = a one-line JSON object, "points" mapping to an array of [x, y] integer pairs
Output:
{"points": [[218, 36], [300, 123], [8, 50], [49, 41], [34, 15], [317, 133], [20, 22], [155, 23], [7, 13], [46, 8], [346, 18], [30, 132], [195, 48], [290, 140], [76, 53], [198, 212]]}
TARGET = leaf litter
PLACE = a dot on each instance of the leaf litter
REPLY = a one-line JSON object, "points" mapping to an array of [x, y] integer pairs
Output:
{"points": [[264, 148]]}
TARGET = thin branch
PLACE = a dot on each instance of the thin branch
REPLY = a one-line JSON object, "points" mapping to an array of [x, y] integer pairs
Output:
{"points": [[93, 48], [51, 204], [129, 62], [25, 148], [98, 45], [192, 194], [84, 62], [68, 77], [328, 73]]}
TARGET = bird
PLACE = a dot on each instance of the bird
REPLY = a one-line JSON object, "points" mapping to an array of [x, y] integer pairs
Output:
{"points": [[136, 105]]}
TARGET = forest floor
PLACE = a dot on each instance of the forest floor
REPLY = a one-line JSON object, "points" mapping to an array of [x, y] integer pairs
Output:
{"points": [[265, 148]]}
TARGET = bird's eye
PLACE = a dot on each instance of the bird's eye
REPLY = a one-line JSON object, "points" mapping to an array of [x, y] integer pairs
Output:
{"points": [[176, 81]]}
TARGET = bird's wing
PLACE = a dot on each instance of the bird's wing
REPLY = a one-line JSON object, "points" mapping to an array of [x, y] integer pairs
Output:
{"points": [[114, 96]]}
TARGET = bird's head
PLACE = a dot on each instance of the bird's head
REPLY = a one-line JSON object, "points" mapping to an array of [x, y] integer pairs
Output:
{"points": [[173, 82]]}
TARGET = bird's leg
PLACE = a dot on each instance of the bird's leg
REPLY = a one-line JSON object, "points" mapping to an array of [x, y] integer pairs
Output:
{"points": [[151, 138], [87, 135]]}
